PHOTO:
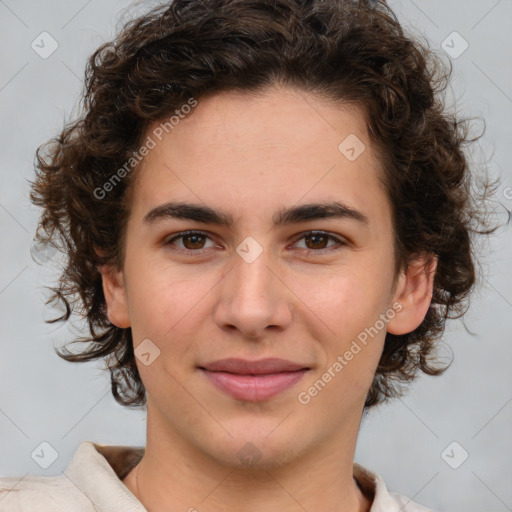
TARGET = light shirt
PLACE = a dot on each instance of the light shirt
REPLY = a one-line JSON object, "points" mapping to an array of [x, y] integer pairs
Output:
{"points": [[92, 482]]}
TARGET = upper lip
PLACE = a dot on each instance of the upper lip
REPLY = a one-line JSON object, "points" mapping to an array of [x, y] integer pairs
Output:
{"points": [[260, 367]]}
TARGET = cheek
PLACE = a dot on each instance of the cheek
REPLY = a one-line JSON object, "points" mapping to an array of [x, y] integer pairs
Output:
{"points": [[170, 310], [164, 311], [161, 298], [346, 301], [347, 311]]}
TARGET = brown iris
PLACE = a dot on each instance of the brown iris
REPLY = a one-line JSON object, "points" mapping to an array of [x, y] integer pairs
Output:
{"points": [[316, 236]]}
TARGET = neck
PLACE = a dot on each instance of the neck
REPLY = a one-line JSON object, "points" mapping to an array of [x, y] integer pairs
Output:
{"points": [[173, 475]]}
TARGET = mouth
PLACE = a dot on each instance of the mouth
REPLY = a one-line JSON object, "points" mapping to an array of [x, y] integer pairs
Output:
{"points": [[253, 381]]}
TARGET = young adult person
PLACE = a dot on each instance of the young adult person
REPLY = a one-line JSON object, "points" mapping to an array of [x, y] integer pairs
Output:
{"points": [[267, 215]]}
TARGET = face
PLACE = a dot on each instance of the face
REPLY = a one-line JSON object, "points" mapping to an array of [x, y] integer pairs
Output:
{"points": [[302, 286]]}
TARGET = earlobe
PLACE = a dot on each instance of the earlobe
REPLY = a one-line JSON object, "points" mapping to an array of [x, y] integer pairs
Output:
{"points": [[414, 293], [114, 291]]}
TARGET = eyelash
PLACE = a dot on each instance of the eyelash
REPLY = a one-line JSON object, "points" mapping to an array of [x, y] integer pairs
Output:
{"points": [[199, 252]]}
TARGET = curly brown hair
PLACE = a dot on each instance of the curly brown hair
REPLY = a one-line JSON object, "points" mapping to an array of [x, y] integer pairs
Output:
{"points": [[349, 51]]}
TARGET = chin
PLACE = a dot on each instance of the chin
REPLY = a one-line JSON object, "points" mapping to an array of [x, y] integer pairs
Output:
{"points": [[256, 450]]}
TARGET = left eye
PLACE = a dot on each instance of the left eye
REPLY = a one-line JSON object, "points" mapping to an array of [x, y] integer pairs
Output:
{"points": [[318, 240], [193, 241]]}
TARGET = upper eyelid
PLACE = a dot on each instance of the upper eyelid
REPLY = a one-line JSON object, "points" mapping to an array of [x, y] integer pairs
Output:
{"points": [[339, 239], [185, 233]]}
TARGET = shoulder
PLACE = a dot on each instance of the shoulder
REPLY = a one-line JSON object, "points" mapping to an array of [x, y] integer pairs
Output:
{"points": [[375, 489], [91, 481], [41, 494]]}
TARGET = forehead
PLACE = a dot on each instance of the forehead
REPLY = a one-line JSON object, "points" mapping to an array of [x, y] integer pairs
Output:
{"points": [[251, 154]]}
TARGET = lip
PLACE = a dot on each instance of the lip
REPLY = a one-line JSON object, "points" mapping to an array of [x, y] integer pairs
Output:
{"points": [[247, 367], [253, 381]]}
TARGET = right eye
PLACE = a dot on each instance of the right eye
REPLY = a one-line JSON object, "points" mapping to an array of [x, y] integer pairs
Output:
{"points": [[192, 241]]}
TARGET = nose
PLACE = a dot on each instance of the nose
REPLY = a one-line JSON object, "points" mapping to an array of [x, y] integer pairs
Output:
{"points": [[253, 299]]}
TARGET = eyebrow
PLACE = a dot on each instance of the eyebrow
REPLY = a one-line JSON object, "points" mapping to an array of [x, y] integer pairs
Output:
{"points": [[285, 216]]}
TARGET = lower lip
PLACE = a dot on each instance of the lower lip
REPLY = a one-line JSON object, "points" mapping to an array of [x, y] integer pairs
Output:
{"points": [[254, 388]]}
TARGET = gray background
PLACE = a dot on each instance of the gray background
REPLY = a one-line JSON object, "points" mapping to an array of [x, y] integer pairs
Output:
{"points": [[43, 398]]}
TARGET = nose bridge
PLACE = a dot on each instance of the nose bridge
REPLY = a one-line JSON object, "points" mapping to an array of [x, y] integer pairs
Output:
{"points": [[252, 277], [252, 297]]}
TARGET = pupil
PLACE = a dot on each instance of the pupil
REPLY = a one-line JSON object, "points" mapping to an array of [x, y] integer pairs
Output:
{"points": [[316, 237], [188, 237]]}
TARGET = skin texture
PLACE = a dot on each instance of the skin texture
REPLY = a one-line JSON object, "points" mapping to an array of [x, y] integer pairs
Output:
{"points": [[250, 156]]}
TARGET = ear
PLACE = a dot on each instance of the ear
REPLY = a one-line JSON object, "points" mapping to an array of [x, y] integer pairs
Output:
{"points": [[115, 295], [414, 293]]}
